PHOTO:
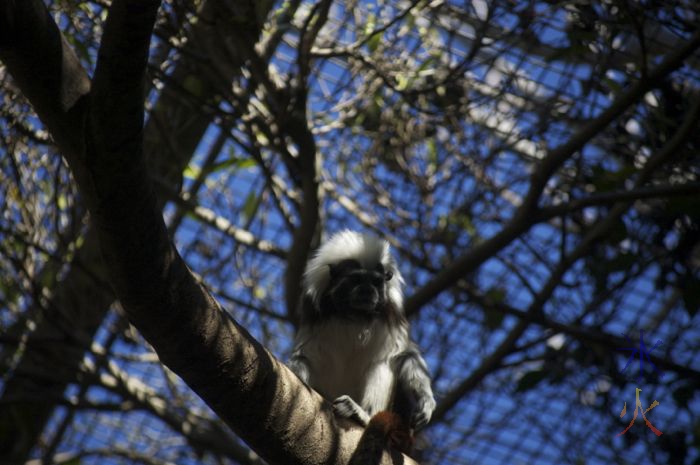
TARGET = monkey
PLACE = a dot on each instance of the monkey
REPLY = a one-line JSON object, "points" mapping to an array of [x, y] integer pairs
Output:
{"points": [[352, 344]]}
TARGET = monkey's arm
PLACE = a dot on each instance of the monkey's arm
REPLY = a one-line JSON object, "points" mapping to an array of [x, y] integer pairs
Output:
{"points": [[414, 383]]}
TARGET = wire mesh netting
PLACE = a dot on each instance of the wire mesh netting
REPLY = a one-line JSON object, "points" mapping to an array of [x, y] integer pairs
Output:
{"points": [[551, 147]]}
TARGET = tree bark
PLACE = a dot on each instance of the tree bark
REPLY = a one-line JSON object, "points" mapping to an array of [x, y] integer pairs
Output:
{"points": [[83, 297], [256, 395]]}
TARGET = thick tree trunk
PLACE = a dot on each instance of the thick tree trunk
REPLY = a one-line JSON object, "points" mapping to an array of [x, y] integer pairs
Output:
{"points": [[256, 395], [83, 297]]}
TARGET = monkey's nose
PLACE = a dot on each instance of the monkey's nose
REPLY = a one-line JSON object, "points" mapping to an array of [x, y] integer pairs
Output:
{"points": [[365, 293]]}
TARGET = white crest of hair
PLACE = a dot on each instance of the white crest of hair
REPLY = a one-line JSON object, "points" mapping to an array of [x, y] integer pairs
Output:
{"points": [[365, 248]]}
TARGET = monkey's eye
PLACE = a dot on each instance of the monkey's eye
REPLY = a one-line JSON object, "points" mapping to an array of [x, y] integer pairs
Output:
{"points": [[388, 275], [344, 267]]}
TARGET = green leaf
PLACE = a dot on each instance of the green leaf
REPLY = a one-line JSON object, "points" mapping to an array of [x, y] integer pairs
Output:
{"points": [[493, 318], [617, 233], [251, 205], [430, 61], [259, 292], [234, 163], [431, 145], [496, 294], [191, 172], [402, 82], [193, 85], [530, 380], [261, 138], [370, 24], [622, 262], [222, 165], [462, 221], [612, 84], [606, 181], [374, 41], [373, 38], [62, 202], [80, 47], [245, 163], [410, 20]]}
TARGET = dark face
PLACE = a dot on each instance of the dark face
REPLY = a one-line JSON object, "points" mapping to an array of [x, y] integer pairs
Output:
{"points": [[356, 293]]}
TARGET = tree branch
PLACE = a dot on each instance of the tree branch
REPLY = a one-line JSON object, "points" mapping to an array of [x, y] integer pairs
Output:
{"points": [[525, 216], [535, 312], [255, 394], [46, 69], [606, 198]]}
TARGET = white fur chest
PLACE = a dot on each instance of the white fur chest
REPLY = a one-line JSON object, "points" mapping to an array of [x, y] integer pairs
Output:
{"points": [[353, 358]]}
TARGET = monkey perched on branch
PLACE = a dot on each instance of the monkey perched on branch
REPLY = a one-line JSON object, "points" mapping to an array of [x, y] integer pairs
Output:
{"points": [[353, 346]]}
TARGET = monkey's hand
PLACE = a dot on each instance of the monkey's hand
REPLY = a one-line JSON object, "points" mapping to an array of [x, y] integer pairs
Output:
{"points": [[422, 412], [345, 407]]}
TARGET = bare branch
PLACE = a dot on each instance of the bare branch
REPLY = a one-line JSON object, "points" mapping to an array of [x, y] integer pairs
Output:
{"points": [[607, 198], [524, 216], [535, 311]]}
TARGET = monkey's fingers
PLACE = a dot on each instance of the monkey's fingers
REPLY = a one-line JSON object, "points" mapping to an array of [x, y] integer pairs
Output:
{"points": [[345, 407], [422, 413], [419, 420]]}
